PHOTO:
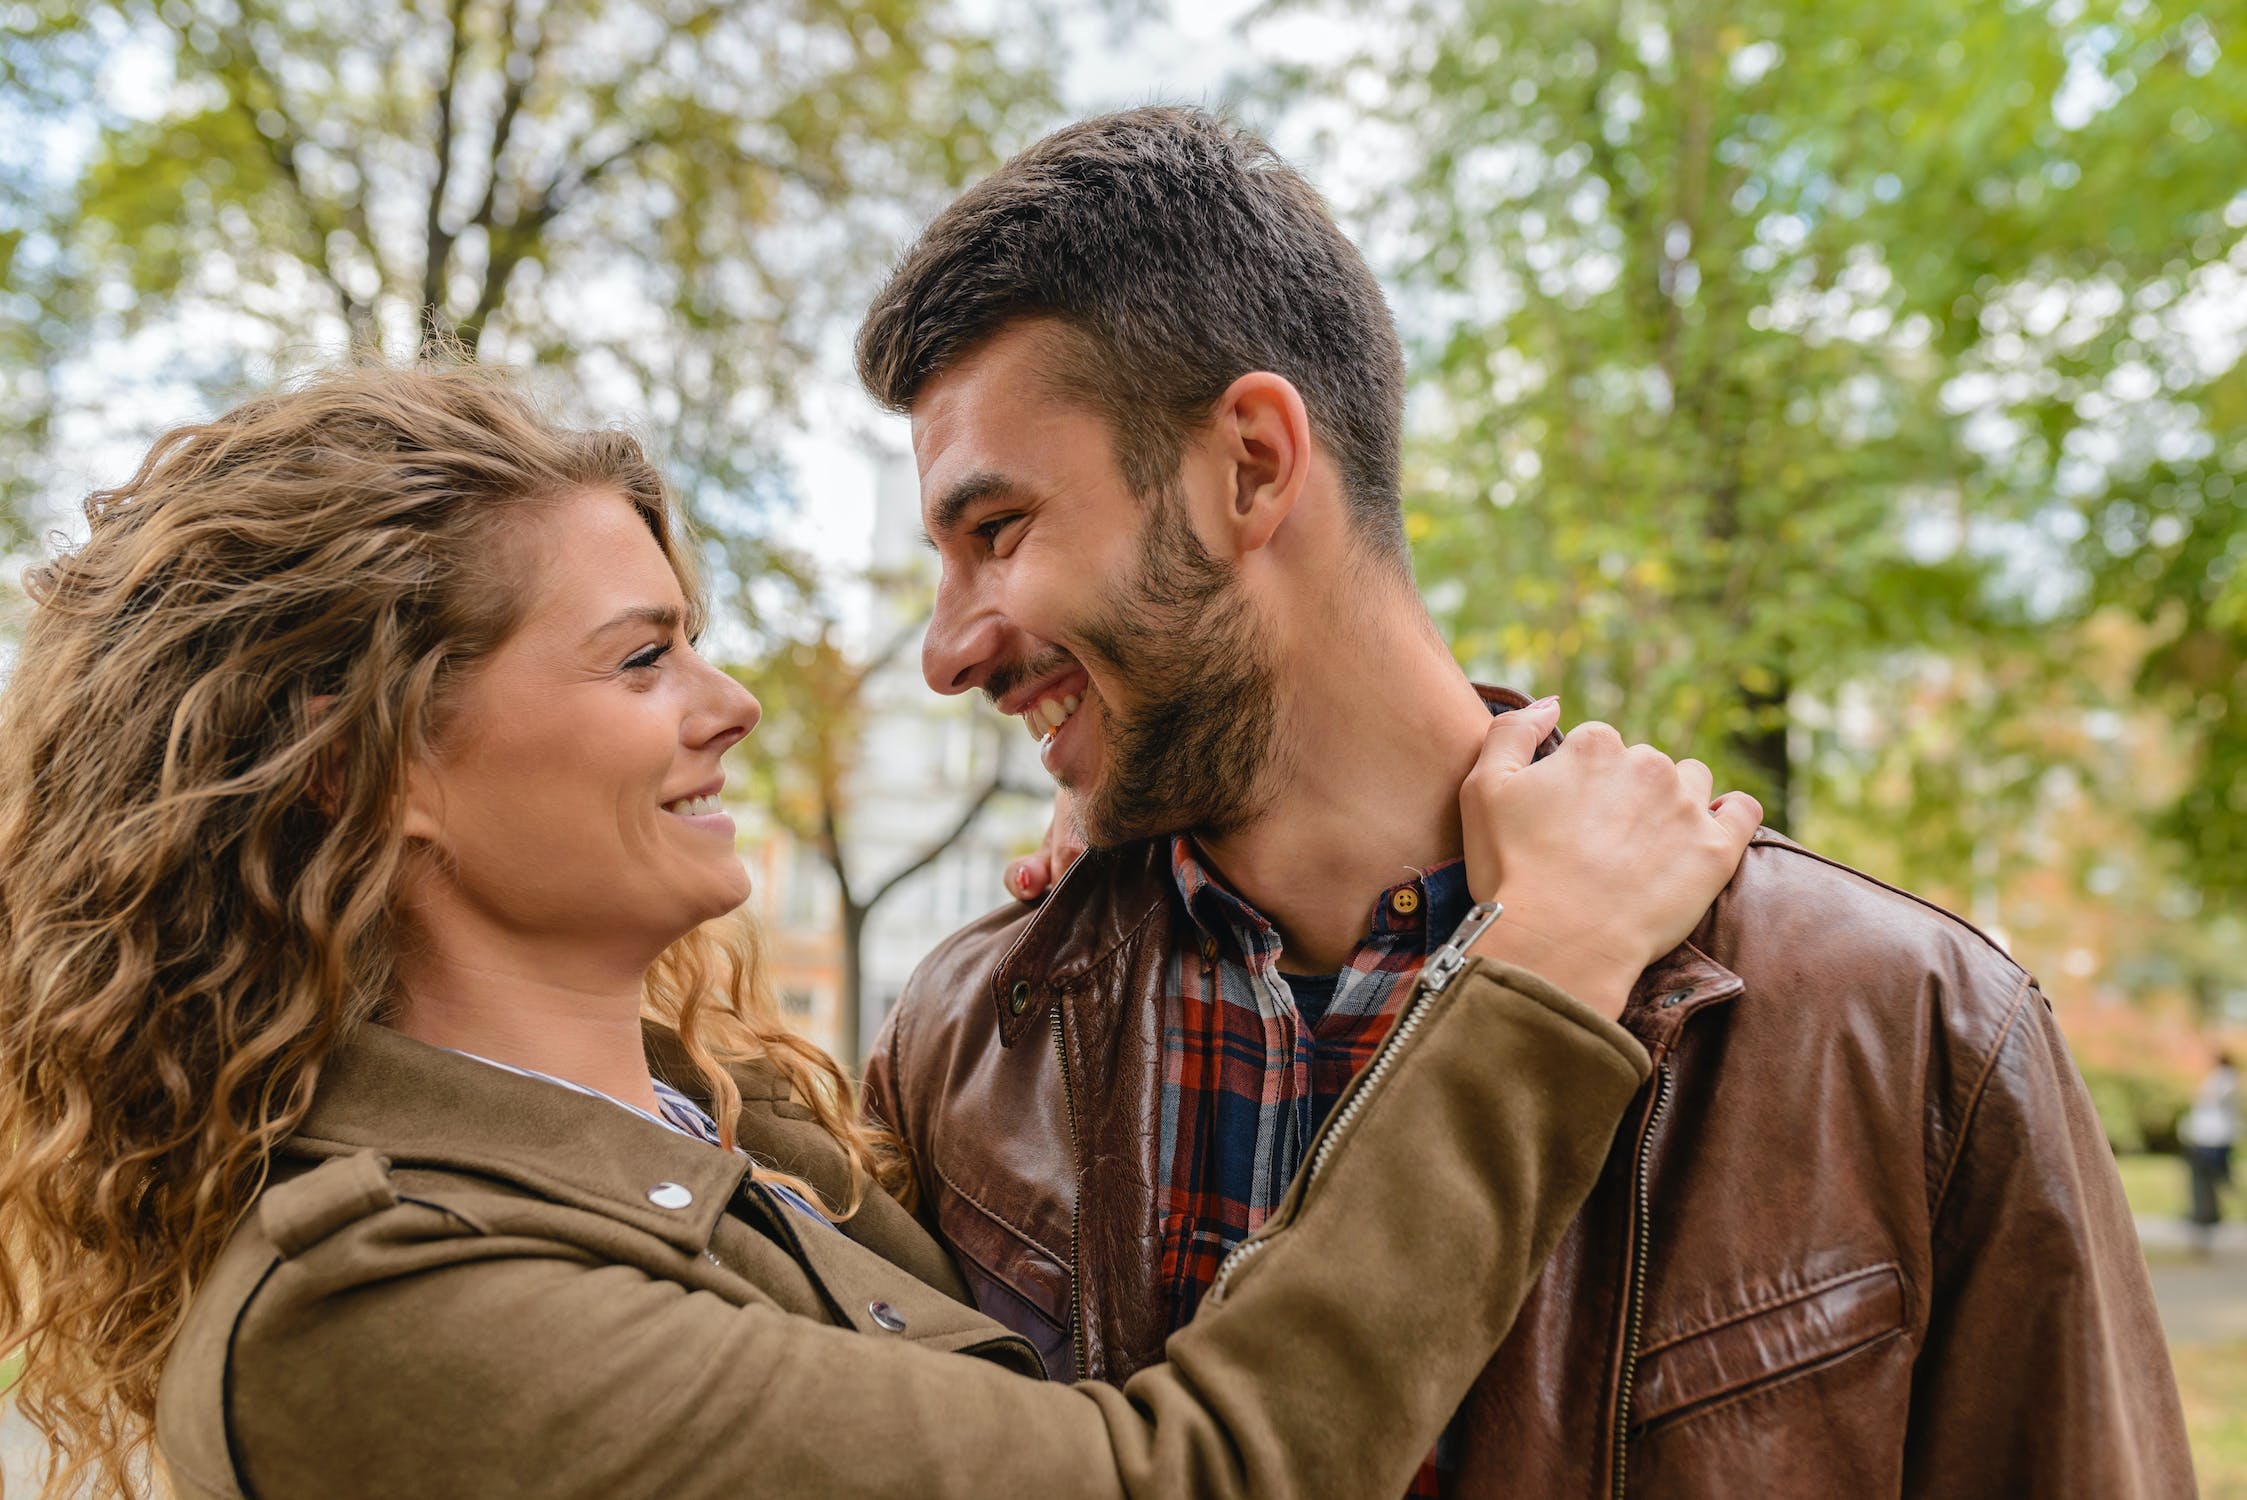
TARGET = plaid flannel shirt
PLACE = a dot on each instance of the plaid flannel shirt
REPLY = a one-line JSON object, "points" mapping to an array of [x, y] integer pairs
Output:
{"points": [[1245, 1083]]}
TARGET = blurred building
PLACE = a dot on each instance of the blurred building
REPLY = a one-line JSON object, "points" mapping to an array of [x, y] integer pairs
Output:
{"points": [[923, 760]]}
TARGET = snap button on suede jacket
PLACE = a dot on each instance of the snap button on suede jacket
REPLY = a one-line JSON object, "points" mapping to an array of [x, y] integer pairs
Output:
{"points": [[465, 1283], [1860, 1235]]}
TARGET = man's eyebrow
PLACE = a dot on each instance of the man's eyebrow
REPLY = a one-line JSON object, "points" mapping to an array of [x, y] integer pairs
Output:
{"points": [[663, 616], [953, 504]]}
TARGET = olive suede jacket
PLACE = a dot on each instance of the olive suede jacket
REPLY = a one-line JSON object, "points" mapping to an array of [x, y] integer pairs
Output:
{"points": [[461, 1282]]}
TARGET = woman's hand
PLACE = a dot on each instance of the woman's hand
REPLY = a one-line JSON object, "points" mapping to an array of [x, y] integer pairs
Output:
{"points": [[1604, 857], [1030, 877]]}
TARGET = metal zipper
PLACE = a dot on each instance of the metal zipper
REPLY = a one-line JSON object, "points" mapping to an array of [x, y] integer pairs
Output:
{"points": [[1642, 1247], [1322, 1145], [1076, 1207]]}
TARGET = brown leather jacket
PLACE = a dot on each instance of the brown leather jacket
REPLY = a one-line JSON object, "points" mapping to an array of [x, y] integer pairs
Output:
{"points": [[1859, 1235]]}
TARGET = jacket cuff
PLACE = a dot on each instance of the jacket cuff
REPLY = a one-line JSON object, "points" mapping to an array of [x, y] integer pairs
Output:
{"points": [[1531, 986]]}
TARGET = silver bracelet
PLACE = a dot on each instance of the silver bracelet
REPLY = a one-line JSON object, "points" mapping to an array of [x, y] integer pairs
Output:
{"points": [[1448, 960]]}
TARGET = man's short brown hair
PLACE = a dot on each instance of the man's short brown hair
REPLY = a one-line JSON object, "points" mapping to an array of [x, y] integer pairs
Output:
{"points": [[1180, 253]]}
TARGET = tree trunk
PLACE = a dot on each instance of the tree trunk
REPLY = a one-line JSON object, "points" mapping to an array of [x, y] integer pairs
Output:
{"points": [[1761, 744], [849, 1027]]}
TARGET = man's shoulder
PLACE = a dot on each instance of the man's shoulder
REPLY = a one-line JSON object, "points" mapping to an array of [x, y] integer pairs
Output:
{"points": [[1835, 945]]}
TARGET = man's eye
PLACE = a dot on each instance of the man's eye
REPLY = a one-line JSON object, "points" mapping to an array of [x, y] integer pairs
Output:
{"points": [[990, 529], [647, 658]]}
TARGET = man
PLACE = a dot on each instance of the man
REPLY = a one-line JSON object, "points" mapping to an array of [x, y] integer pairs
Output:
{"points": [[1861, 1235]]}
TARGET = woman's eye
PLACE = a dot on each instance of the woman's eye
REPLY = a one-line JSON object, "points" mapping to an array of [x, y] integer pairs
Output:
{"points": [[647, 658]]}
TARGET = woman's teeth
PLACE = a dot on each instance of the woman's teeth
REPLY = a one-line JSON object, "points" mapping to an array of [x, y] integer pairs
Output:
{"points": [[1049, 714], [695, 807]]}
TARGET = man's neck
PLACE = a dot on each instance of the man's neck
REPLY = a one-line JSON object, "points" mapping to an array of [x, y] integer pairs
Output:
{"points": [[1382, 728], [568, 1015]]}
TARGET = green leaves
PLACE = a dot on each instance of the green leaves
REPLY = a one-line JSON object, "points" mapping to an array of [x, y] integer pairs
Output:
{"points": [[673, 201], [1769, 357]]}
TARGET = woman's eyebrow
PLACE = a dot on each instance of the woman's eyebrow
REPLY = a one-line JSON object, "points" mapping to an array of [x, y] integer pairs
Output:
{"points": [[662, 616]]}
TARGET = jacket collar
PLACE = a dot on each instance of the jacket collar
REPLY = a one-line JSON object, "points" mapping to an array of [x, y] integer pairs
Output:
{"points": [[422, 1106], [1108, 896]]}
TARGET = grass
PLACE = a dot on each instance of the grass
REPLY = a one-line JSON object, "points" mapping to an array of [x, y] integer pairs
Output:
{"points": [[2155, 1185], [2212, 1378]]}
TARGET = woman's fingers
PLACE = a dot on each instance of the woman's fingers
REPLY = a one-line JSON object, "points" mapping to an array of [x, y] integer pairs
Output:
{"points": [[1031, 876]]}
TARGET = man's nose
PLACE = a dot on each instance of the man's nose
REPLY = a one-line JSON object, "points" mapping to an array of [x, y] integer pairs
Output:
{"points": [[962, 642]]}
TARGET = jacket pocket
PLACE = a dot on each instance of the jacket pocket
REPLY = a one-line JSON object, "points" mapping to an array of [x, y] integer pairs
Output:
{"points": [[1014, 1279], [1766, 1345]]}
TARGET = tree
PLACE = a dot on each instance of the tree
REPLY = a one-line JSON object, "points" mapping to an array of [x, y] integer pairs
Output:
{"points": [[803, 763], [1762, 349], [669, 199]]}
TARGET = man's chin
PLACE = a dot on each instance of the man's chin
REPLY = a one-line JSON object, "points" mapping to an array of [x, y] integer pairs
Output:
{"points": [[1104, 826]]}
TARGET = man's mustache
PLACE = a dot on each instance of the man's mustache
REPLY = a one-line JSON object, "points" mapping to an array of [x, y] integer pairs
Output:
{"points": [[1006, 678]]}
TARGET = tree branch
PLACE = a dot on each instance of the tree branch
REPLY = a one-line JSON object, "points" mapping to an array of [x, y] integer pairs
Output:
{"points": [[282, 145], [522, 240], [929, 856], [519, 80], [437, 242], [831, 850]]}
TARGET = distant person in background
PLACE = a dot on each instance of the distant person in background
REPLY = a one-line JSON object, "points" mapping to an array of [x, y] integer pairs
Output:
{"points": [[2209, 1130]]}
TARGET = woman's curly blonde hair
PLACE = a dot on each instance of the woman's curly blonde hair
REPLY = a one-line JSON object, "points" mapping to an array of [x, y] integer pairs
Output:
{"points": [[190, 923]]}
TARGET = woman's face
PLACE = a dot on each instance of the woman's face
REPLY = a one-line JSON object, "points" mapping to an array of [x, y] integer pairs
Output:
{"points": [[574, 796]]}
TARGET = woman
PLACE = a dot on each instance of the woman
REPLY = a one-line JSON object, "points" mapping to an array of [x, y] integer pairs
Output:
{"points": [[380, 1069]]}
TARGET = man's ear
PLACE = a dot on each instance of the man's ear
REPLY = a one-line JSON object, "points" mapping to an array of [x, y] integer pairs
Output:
{"points": [[1265, 437]]}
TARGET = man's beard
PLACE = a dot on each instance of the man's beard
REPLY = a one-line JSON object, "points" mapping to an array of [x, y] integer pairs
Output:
{"points": [[1196, 751]]}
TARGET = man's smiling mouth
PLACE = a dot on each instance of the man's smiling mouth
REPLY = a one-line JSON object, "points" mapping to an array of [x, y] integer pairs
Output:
{"points": [[1045, 717]]}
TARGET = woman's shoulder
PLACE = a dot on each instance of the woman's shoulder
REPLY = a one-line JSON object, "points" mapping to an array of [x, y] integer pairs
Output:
{"points": [[318, 1230]]}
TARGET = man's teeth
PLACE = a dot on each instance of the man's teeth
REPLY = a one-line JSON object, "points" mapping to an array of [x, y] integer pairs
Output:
{"points": [[1049, 714], [695, 807]]}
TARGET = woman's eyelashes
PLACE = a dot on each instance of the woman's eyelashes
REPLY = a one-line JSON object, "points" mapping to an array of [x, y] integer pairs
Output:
{"points": [[646, 660]]}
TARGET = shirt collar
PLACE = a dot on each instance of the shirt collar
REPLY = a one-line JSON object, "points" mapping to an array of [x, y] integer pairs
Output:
{"points": [[1419, 912]]}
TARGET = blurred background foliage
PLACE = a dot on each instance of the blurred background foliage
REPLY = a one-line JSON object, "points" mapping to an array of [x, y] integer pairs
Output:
{"points": [[1851, 394], [669, 203], [1847, 393]]}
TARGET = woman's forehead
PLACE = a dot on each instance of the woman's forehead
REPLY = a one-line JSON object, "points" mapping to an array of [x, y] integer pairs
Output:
{"points": [[592, 555]]}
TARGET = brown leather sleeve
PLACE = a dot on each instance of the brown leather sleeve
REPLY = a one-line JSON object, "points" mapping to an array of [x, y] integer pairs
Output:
{"points": [[2044, 1372], [881, 1099]]}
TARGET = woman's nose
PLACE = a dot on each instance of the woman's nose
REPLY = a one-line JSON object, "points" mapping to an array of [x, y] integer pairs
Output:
{"points": [[732, 710]]}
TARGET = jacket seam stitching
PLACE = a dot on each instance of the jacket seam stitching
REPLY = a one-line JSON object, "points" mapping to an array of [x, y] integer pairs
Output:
{"points": [[1008, 1225], [1874, 880], [1776, 1301], [1981, 1089]]}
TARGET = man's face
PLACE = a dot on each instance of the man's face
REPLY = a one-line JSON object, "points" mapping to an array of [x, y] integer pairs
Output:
{"points": [[1097, 615]]}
